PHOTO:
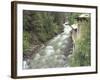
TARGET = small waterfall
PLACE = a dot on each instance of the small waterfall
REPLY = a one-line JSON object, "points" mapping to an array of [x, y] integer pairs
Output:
{"points": [[54, 54]]}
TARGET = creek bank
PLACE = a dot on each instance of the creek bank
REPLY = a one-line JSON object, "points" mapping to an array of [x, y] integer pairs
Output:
{"points": [[35, 47]]}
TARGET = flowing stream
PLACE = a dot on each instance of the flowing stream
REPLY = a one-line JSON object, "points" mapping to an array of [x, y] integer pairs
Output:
{"points": [[54, 53]]}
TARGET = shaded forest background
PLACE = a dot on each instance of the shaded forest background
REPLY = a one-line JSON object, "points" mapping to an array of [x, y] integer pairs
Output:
{"points": [[40, 27]]}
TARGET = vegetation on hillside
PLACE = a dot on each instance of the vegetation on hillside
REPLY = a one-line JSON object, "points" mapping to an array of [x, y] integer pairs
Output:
{"points": [[39, 27], [71, 17], [81, 55]]}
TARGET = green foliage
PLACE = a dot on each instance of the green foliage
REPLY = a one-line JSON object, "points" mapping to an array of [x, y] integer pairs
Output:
{"points": [[71, 17], [26, 39], [81, 55], [39, 27]]}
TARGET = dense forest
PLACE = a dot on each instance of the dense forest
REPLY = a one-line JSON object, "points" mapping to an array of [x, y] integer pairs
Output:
{"points": [[39, 27]]}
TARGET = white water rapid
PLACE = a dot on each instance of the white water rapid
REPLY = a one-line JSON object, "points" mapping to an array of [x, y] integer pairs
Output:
{"points": [[54, 53]]}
